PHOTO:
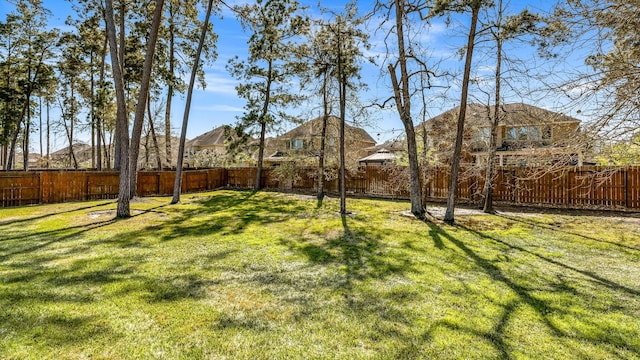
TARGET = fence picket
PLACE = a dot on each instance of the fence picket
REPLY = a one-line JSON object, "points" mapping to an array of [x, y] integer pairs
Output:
{"points": [[587, 187]]}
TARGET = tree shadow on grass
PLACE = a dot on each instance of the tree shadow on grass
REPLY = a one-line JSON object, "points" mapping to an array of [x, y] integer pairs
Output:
{"points": [[43, 216], [345, 264], [589, 274], [42, 239], [229, 214], [545, 309], [574, 233]]}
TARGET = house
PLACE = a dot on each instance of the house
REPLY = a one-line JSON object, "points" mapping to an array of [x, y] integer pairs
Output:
{"points": [[212, 149], [380, 157], [302, 144], [383, 154], [527, 136], [210, 142], [79, 153]]}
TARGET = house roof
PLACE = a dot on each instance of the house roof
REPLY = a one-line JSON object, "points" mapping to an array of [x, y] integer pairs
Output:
{"points": [[77, 147], [512, 115], [382, 155], [313, 128], [213, 137], [390, 146]]}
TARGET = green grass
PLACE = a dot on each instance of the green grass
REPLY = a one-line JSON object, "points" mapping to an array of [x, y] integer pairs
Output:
{"points": [[238, 275]]}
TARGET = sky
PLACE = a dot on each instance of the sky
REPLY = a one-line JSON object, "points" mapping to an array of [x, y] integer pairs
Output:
{"points": [[218, 103]]}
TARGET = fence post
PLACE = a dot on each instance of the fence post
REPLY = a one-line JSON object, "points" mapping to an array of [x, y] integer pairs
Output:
{"points": [[86, 186], [40, 187], [626, 188], [567, 186]]}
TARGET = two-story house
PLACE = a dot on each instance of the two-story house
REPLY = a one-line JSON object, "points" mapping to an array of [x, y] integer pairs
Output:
{"points": [[527, 135], [211, 142], [302, 144]]}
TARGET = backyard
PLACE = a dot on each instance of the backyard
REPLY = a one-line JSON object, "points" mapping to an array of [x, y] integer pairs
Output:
{"points": [[242, 275]]}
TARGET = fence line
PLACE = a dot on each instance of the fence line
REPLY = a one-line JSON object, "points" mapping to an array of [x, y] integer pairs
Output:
{"points": [[607, 188]]}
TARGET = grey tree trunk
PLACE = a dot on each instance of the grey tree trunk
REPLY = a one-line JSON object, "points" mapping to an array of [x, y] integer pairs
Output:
{"points": [[455, 162], [154, 138], [167, 114], [323, 138], [122, 132], [493, 142], [48, 132], [263, 127], [177, 185], [403, 104], [343, 93], [143, 95], [99, 134], [25, 143]]}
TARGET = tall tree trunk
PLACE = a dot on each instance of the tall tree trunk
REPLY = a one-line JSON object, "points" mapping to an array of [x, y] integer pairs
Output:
{"points": [[152, 129], [185, 120], [99, 129], [455, 162], [323, 137], [92, 114], [107, 145], [68, 128], [122, 132], [403, 104], [48, 133], [143, 94], [172, 61], [493, 142], [40, 128], [343, 93], [25, 143], [263, 127], [118, 155], [14, 139]]}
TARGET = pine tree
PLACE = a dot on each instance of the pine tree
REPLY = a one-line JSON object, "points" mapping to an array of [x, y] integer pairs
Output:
{"points": [[266, 74]]}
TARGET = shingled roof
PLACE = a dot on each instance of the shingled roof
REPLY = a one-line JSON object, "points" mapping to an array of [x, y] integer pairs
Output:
{"points": [[213, 137], [313, 128], [513, 115]]}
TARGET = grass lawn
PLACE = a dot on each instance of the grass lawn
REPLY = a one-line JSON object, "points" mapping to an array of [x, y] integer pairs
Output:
{"points": [[238, 275]]}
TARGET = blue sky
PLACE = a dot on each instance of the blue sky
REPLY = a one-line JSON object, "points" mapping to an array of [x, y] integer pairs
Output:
{"points": [[218, 104]]}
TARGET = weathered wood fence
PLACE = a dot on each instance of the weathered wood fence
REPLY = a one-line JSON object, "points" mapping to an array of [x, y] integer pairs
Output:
{"points": [[607, 188]]}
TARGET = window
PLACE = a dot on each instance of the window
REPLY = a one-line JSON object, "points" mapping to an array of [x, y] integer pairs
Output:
{"points": [[534, 133], [522, 133], [296, 144], [529, 133]]}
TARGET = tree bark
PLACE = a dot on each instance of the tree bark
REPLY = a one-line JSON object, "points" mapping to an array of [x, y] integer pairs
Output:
{"points": [[403, 104], [143, 95], [48, 133], [40, 129], [185, 120], [263, 127], [118, 147], [323, 138], [167, 114], [455, 162], [123, 209], [343, 93], [93, 114], [493, 142], [99, 129], [153, 136], [25, 143]]}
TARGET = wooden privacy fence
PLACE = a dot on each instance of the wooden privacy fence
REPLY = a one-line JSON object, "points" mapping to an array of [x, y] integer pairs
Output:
{"points": [[608, 188]]}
